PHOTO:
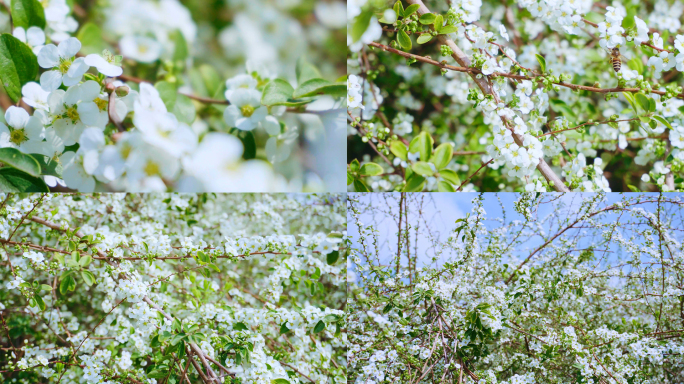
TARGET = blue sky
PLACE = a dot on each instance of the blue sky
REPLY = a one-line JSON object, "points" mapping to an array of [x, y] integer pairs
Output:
{"points": [[446, 208]]}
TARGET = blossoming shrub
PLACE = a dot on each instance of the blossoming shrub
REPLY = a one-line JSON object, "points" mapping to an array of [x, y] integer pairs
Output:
{"points": [[515, 96], [151, 95], [167, 288], [531, 289]]}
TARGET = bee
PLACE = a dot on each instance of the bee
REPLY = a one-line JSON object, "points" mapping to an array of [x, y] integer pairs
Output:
{"points": [[616, 58]]}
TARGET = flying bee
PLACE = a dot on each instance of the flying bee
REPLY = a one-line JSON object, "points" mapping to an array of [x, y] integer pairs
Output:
{"points": [[616, 58]]}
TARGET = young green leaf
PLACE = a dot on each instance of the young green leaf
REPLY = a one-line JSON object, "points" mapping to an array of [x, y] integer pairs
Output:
{"points": [[411, 9], [443, 186], [424, 38], [662, 120], [439, 22], [277, 92], [88, 277], [404, 40], [360, 25], [427, 18], [422, 168], [423, 145], [370, 169], [359, 186], [399, 149], [316, 87], [442, 155], [415, 183], [450, 176], [168, 93], [542, 62]]}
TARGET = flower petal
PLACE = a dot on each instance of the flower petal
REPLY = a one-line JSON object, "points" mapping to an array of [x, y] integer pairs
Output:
{"points": [[69, 48], [48, 56]]}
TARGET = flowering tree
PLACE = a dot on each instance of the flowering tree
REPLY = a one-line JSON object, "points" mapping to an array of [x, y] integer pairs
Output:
{"points": [[166, 288], [516, 95], [132, 96], [526, 289]]}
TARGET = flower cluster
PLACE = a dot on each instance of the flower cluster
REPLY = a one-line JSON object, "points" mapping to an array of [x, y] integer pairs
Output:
{"points": [[256, 284], [523, 278]]}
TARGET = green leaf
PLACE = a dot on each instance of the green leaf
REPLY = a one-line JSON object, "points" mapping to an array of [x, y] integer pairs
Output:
{"points": [[168, 93], [370, 169], [45, 287], [399, 149], [448, 29], [399, 8], [18, 160], [450, 176], [662, 120], [40, 302], [404, 40], [18, 65], [315, 87], [240, 327], [350, 178], [411, 9], [423, 145], [203, 256], [633, 188], [427, 18], [90, 36], [560, 107], [651, 105], [361, 23], [439, 22], [359, 186], [414, 183], [67, 284], [284, 328], [632, 101], [354, 166], [277, 92], [306, 71], [424, 38], [645, 119], [85, 261], [248, 142], [180, 51], [27, 13], [442, 155], [443, 186], [636, 65], [332, 257], [88, 277], [643, 101], [48, 166], [280, 381], [184, 109], [13, 180], [542, 62], [422, 168], [319, 326]]}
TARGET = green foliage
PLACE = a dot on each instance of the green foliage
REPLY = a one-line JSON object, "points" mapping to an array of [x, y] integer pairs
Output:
{"points": [[27, 13], [18, 65]]}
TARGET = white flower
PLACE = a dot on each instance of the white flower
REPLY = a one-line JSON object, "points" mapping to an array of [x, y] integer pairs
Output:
{"points": [[245, 111], [22, 131], [139, 48], [502, 31], [165, 132], [642, 31], [107, 64], [35, 96], [66, 68], [238, 82], [217, 164], [488, 67], [34, 37], [278, 148], [75, 109], [645, 178], [15, 283]]}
